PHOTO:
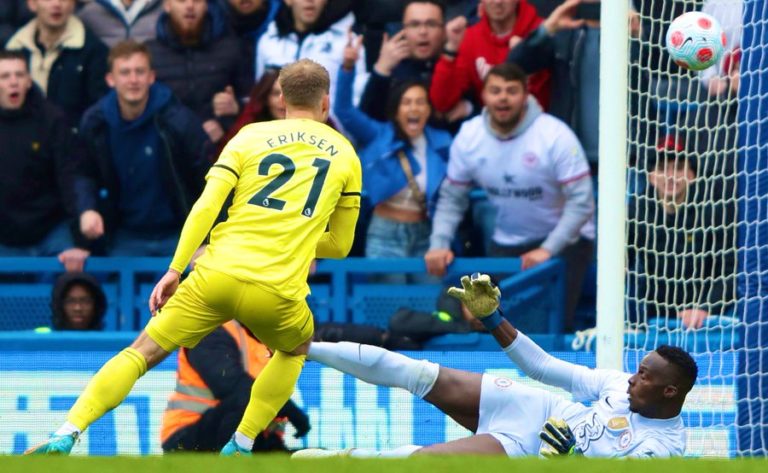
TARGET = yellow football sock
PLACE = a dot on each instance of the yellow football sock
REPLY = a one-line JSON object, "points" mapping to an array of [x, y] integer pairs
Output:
{"points": [[270, 392], [108, 387]]}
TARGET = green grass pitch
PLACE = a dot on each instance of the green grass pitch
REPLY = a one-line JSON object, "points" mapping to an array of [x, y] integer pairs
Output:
{"points": [[282, 464]]}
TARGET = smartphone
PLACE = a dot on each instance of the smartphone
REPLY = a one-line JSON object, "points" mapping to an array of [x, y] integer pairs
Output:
{"points": [[392, 28], [588, 11]]}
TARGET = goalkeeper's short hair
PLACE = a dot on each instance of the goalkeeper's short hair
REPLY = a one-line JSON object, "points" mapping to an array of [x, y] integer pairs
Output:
{"points": [[686, 366]]}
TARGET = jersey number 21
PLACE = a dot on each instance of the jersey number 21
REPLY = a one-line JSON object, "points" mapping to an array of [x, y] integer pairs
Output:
{"points": [[262, 198]]}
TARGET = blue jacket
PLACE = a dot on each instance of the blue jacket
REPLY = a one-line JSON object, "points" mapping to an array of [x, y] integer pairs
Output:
{"points": [[383, 176], [185, 147]]}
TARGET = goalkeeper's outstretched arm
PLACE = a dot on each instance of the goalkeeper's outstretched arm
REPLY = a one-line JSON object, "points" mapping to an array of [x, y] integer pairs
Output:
{"points": [[481, 297]]}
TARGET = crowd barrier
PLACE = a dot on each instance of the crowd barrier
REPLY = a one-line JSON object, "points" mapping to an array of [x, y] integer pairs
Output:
{"points": [[341, 291]]}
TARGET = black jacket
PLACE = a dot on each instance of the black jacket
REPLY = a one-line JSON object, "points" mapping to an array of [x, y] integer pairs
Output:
{"points": [[186, 159], [41, 160], [196, 74], [60, 288], [13, 14], [76, 80], [685, 259]]}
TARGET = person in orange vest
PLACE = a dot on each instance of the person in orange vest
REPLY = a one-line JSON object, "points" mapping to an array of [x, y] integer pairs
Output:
{"points": [[213, 387]]}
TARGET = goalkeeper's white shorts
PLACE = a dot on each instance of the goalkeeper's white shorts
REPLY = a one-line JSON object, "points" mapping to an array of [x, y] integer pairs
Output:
{"points": [[514, 413]]}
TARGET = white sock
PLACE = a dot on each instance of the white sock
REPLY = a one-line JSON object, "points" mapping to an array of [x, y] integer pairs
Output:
{"points": [[377, 366], [399, 452], [67, 429], [243, 441]]}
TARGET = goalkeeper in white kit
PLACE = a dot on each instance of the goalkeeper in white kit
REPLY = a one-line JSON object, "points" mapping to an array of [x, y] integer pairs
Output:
{"points": [[633, 415]]}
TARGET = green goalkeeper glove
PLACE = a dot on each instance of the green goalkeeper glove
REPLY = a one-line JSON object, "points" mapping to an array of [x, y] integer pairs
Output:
{"points": [[479, 295], [558, 439]]}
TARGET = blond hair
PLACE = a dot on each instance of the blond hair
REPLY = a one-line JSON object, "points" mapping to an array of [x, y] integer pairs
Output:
{"points": [[126, 49], [304, 83]]}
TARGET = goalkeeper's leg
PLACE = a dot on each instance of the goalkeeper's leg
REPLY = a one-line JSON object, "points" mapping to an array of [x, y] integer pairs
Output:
{"points": [[483, 444], [455, 392]]}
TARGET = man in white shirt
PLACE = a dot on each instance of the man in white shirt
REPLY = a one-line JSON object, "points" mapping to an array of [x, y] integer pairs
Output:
{"points": [[302, 29], [536, 176], [634, 415]]}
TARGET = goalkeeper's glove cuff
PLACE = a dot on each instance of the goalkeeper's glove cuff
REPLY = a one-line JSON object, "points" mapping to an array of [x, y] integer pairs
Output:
{"points": [[492, 321]]}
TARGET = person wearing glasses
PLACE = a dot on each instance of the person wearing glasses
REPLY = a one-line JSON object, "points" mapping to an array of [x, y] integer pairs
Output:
{"points": [[408, 55], [77, 303]]}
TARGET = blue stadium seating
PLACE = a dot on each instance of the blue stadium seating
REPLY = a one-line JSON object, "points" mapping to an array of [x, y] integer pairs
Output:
{"points": [[348, 297]]}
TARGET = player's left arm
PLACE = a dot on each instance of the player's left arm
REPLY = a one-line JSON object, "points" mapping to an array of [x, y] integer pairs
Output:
{"points": [[337, 241]]}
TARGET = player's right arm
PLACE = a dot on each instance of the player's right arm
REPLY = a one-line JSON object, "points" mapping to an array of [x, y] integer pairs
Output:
{"points": [[196, 227]]}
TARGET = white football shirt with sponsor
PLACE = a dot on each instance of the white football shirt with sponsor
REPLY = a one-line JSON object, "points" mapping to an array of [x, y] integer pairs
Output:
{"points": [[608, 428], [522, 176]]}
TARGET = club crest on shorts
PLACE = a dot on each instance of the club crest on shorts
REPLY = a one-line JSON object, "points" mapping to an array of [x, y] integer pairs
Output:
{"points": [[502, 382]]}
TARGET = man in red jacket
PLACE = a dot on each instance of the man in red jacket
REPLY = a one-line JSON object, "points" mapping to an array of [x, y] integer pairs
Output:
{"points": [[470, 52]]}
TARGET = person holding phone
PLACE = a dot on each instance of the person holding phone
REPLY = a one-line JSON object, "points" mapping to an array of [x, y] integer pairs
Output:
{"points": [[409, 52]]}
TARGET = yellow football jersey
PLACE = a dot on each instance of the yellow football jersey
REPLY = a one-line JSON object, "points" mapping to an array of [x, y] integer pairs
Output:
{"points": [[288, 176]]}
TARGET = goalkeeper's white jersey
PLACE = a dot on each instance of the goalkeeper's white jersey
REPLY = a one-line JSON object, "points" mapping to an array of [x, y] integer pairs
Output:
{"points": [[514, 414], [608, 428]]}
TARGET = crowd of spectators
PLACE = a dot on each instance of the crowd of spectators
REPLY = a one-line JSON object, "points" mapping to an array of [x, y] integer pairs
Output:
{"points": [[116, 108]]}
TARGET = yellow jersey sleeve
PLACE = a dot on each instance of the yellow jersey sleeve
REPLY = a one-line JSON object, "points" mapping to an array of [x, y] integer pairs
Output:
{"points": [[350, 194], [229, 166]]}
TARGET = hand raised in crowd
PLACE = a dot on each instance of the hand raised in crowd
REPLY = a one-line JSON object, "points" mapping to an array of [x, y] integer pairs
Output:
{"points": [[437, 261], [693, 318], [225, 103], [352, 51], [460, 111], [91, 224], [535, 257], [163, 290], [454, 33], [563, 18], [635, 26], [73, 259], [393, 50], [214, 130]]}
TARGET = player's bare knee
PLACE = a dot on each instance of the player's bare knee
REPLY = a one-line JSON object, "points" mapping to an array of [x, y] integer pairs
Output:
{"points": [[149, 349], [302, 349]]}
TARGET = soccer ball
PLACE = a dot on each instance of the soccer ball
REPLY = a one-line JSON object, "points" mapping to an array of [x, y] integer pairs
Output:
{"points": [[695, 41]]}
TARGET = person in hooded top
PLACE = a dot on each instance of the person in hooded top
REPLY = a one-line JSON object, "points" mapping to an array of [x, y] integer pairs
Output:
{"points": [[147, 155], [77, 303]]}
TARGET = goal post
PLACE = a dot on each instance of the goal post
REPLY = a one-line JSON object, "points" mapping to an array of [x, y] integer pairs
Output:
{"points": [[752, 378], [614, 53], [667, 258]]}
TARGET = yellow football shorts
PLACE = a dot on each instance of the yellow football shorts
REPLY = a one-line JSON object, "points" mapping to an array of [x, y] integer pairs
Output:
{"points": [[207, 299]]}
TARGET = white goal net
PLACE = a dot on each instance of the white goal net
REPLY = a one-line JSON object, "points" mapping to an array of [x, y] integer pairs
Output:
{"points": [[696, 231]]}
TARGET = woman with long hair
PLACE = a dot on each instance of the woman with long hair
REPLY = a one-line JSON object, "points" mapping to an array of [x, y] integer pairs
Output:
{"points": [[263, 105], [404, 161]]}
